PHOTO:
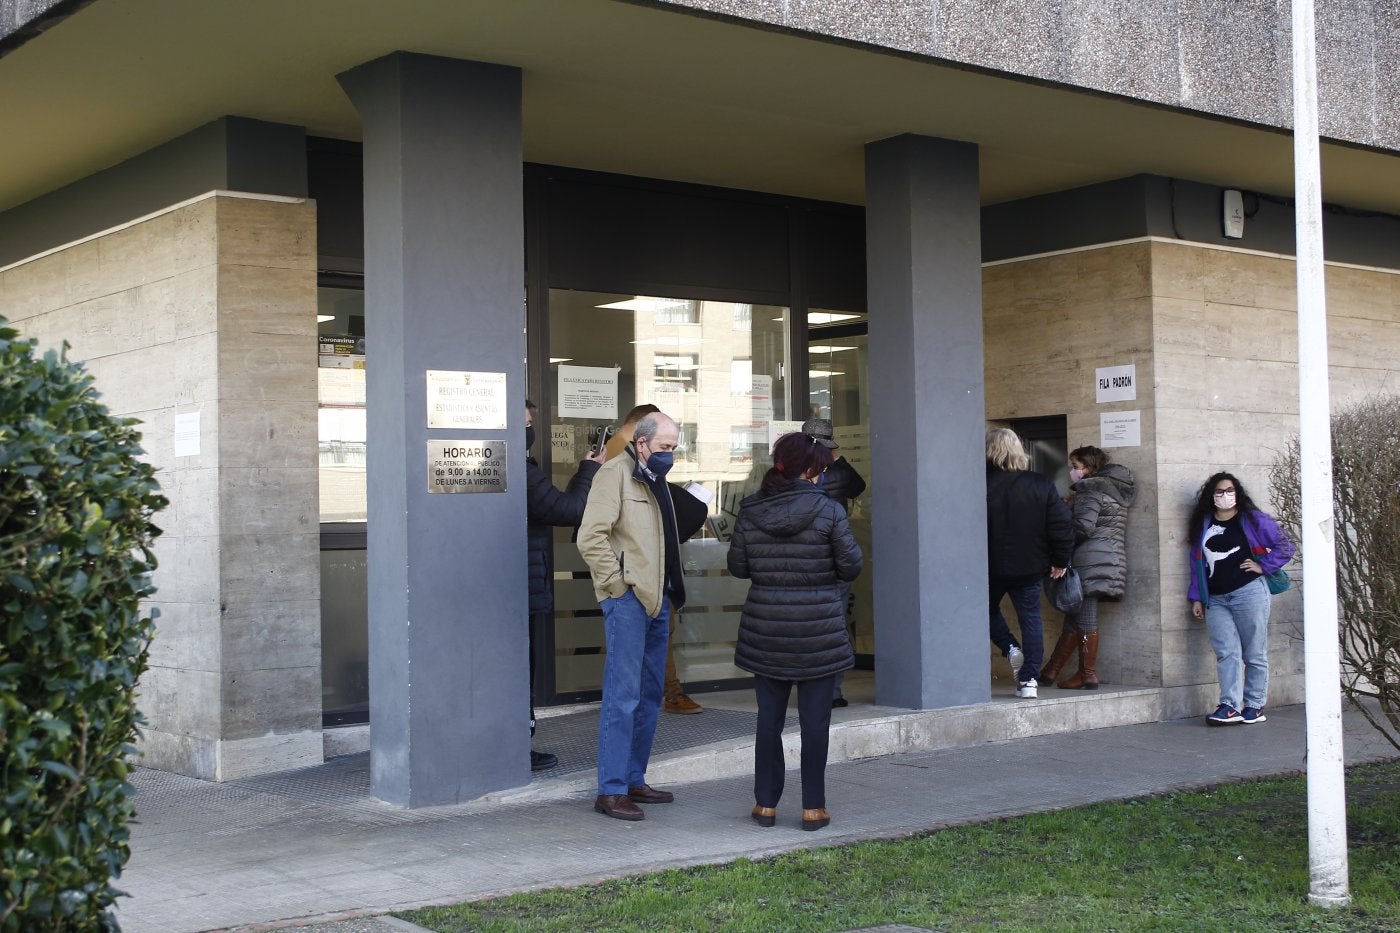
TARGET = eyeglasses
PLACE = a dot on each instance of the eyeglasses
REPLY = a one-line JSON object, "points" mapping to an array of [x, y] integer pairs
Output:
{"points": [[1224, 492]]}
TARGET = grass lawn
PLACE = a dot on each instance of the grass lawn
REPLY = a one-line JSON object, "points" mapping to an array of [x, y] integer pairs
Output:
{"points": [[1234, 858]]}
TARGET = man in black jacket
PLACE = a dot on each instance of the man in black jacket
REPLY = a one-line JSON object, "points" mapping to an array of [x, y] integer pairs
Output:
{"points": [[547, 507], [841, 482], [1029, 532]]}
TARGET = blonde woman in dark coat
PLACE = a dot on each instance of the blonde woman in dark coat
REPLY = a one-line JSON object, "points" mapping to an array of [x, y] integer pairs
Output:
{"points": [[795, 546], [1103, 491]]}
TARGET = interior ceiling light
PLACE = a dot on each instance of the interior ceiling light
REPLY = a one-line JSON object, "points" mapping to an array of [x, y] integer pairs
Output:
{"points": [[826, 348], [675, 341], [829, 317], [560, 359], [822, 374], [826, 317], [323, 318], [648, 303]]}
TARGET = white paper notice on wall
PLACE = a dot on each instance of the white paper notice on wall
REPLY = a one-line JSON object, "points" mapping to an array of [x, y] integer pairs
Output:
{"points": [[761, 392], [777, 429], [1115, 383], [1120, 429], [588, 392], [187, 434]]}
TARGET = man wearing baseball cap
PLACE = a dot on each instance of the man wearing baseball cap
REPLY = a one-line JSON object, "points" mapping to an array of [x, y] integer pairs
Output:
{"points": [[843, 483]]}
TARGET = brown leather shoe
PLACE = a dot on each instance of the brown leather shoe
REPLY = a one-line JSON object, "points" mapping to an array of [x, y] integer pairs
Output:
{"points": [[645, 793], [815, 819], [765, 816], [682, 704], [619, 807]]}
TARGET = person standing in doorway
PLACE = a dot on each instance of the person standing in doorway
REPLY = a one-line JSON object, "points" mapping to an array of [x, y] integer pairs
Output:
{"points": [[1103, 491], [547, 507], [795, 546], [675, 700], [1029, 532], [841, 482], [1234, 544], [628, 540]]}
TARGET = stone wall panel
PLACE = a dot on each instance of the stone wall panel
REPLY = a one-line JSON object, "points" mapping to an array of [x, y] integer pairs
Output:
{"points": [[210, 307]]}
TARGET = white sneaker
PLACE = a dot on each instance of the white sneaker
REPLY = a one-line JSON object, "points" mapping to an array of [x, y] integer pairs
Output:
{"points": [[1016, 658], [1026, 691]]}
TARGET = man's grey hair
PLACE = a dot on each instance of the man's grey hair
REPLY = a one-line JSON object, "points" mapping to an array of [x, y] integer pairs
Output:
{"points": [[647, 427]]}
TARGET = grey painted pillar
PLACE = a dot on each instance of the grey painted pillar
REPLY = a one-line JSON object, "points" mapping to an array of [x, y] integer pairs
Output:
{"points": [[444, 276], [924, 279]]}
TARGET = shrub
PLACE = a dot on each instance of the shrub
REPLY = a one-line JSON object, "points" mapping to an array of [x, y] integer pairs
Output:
{"points": [[75, 559], [1366, 515]]}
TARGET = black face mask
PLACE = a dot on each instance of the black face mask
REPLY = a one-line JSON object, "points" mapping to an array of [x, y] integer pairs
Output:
{"points": [[529, 437]]}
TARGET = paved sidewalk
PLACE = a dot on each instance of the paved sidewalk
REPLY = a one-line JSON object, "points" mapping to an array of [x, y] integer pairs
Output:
{"points": [[209, 856]]}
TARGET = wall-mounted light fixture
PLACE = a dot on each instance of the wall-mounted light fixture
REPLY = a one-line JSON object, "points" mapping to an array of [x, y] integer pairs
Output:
{"points": [[1233, 214]]}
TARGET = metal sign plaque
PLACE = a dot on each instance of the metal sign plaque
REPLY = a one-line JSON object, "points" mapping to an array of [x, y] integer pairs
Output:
{"points": [[467, 466], [472, 401]]}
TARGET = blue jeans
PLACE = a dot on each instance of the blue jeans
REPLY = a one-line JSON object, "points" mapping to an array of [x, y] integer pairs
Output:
{"points": [[1025, 599], [1238, 623], [634, 670]]}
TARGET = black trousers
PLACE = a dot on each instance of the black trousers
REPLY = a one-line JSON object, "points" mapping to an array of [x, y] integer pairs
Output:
{"points": [[814, 715], [530, 621]]}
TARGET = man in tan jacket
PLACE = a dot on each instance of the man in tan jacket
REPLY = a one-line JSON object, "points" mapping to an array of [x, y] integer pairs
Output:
{"points": [[628, 539], [676, 700]]}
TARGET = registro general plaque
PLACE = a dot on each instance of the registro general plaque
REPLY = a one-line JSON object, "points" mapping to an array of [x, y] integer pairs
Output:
{"points": [[471, 401], [466, 466]]}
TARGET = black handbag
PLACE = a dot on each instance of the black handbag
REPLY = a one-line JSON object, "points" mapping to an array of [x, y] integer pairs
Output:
{"points": [[1067, 593]]}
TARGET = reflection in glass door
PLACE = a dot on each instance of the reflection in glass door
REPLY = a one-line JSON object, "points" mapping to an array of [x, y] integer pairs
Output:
{"points": [[340, 379], [719, 369], [838, 359]]}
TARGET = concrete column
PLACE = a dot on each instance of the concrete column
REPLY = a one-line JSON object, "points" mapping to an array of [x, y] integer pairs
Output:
{"points": [[444, 275], [924, 275]]}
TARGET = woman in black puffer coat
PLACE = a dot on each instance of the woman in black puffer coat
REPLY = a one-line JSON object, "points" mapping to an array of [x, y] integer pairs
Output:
{"points": [[1103, 492], [794, 543]]}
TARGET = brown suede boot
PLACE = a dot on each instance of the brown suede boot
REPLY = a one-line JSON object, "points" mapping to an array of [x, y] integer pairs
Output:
{"points": [[1088, 676], [1069, 640], [675, 699]]}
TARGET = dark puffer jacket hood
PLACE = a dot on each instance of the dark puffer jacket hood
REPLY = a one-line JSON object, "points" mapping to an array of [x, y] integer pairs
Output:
{"points": [[1114, 481], [785, 513]]}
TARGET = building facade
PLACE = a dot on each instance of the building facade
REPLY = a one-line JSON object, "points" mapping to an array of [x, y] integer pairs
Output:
{"points": [[269, 229]]}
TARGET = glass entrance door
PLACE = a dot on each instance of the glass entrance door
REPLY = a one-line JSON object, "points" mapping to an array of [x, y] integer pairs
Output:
{"points": [[838, 360], [719, 368]]}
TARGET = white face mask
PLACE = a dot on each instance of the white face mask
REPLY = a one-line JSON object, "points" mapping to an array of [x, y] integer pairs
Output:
{"points": [[1225, 500], [1076, 475]]}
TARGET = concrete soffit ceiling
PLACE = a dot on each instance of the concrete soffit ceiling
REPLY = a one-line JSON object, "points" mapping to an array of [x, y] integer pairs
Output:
{"points": [[610, 86]]}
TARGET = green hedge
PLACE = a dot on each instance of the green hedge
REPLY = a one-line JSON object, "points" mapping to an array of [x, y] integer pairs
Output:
{"points": [[76, 506]]}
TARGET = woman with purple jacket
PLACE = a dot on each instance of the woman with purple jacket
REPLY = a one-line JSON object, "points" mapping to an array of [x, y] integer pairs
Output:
{"points": [[1233, 545]]}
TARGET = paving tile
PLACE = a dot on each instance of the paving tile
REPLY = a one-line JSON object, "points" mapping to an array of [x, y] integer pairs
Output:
{"points": [[311, 846]]}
